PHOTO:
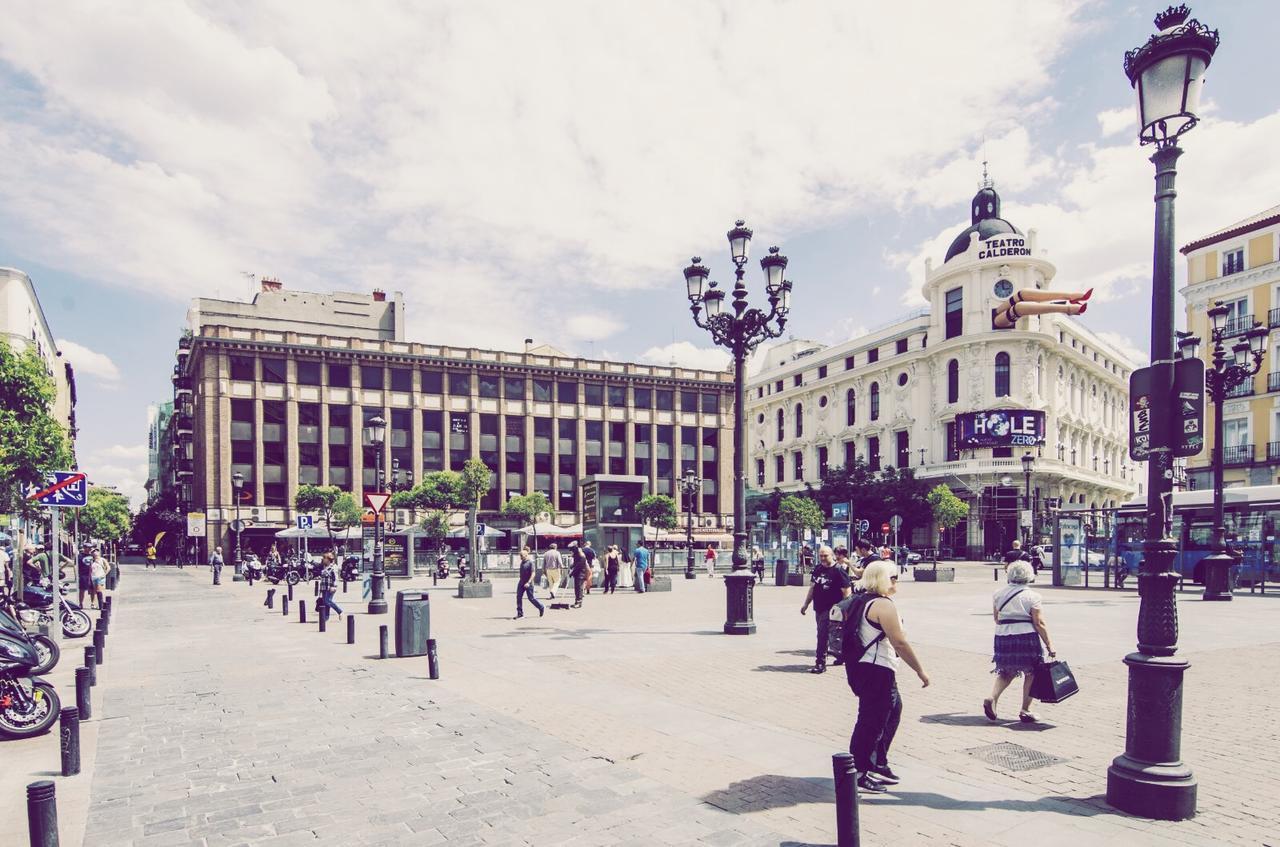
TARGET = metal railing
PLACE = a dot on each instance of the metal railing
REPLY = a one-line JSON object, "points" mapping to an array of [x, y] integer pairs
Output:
{"points": [[1273, 381], [1273, 318], [1273, 451], [1238, 325], [1241, 454], [1244, 389]]}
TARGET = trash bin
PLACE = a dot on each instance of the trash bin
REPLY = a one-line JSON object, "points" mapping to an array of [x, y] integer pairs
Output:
{"points": [[780, 572], [413, 623]]}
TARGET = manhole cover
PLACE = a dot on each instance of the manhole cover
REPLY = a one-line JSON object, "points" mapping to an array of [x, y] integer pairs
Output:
{"points": [[1013, 757]]}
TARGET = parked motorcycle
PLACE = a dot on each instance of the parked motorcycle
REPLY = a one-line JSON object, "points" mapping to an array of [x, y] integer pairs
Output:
{"points": [[273, 572], [27, 706], [47, 650], [251, 567], [442, 568], [462, 567], [75, 621], [350, 568]]}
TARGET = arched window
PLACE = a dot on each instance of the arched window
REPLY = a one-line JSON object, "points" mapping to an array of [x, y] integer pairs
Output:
{"points": [[1002, 374], [875, 401], [781, 425], [799, 420], [953, 381], [850, 407]]}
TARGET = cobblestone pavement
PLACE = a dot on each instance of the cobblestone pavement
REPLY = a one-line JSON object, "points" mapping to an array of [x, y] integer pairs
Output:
{"points": [[634, 721]]}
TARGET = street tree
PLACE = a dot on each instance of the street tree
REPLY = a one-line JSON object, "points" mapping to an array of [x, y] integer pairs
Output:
{"points": [[658, 511], [337, 508], [801, 514], [105, 515], [435, 527], [948, 509], [474, 482], [528, 508], [157, 517]]}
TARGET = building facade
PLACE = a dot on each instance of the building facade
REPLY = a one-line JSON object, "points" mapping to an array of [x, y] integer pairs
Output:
{"points": [[1238, 266], [284, 407], [898, 395], [23, 324]]}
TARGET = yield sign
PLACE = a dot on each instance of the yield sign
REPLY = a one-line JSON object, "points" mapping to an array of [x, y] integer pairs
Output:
{"points": [[376, 500]]}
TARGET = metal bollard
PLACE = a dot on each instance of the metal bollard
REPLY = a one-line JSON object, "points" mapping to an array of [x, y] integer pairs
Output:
{"points": [[103, 625], [99, 646], [351, 629], [91, 663], [302, 611], [69, 732], [344, 585], [382, 642], [846, 778], [42, 814], [323, 615], [84, 695], [270, 602], [284, 606], [290, 590], [315, 588], [433, 659]]}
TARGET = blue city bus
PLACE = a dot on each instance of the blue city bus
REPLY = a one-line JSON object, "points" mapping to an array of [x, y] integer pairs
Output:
{"points": [[1251, 517]]}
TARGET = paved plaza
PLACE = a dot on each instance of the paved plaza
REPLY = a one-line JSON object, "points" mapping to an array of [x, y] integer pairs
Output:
{"points": [[634, 721]]}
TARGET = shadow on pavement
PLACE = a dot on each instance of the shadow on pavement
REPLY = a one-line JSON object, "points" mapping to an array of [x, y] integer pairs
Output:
{"points": [[772, 791], [1078, 806], [783, 668], [964, 719]]}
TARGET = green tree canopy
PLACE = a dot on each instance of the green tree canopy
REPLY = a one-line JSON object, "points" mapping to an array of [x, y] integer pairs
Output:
{"points": [[658, 511], [474, 482], [801, 513], [106, 515], [32, 442], [337, 508], [948, 509], [435, 526], [528, 508], [160, 515]]}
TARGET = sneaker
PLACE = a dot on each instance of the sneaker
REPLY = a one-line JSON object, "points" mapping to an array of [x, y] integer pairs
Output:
{"points": [[818, 669], [885, 775], [542, 611], [870, 785], [838, 662]]}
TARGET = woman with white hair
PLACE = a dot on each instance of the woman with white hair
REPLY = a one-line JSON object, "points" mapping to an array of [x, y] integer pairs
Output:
{"points": [[873, 675], [1020, 628]]}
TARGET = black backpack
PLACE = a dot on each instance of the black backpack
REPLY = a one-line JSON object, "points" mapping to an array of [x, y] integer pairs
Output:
{"points": [[845, 642]]}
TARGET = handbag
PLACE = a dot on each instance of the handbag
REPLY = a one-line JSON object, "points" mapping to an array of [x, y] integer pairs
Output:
{"points": [[1053, 682], [648, 575]]}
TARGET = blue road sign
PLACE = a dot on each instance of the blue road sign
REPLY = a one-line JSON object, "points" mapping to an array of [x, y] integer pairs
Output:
{"points": [[66, 489], [306, 522]]}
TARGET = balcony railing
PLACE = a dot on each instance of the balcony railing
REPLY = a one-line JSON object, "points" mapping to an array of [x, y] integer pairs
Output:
{"points": [[1244, 389], [1273, 451], [1238, 326], [1273, 318], [1241, 454], [1273, 381]]}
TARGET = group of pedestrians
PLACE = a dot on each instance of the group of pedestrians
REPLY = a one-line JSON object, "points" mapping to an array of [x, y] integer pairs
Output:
{"points": [[582, 570]]}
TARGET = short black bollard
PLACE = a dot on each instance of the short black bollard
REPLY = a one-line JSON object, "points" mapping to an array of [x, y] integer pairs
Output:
{"points": [[102, 624], [322, 615], [107, 603], [435, 578], [291, 591], [351, 629], [846, 778], [270, 602], [69, 731], [302, 611], [99, 647], [344, 585], [91, 663], [84, 695], [382, 642], [315, 588], [284, 606], [42, 814], [433, 659]]}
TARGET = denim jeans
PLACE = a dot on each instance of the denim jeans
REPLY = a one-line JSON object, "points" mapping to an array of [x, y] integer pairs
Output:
{"points": [[823, 620], [326, 599], [879, 712], [522, 590], [640, 580]]}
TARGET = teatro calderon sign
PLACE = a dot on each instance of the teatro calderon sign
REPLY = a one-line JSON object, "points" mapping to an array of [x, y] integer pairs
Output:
{"points": [[995, 248]]}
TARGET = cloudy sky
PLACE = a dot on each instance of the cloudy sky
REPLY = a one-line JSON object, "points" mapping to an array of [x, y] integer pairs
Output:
{"points": [[546, 169]]}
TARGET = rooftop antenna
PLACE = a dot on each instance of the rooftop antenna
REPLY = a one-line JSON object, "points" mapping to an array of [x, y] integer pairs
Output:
{"points": [[251, 279], [986, 180]]}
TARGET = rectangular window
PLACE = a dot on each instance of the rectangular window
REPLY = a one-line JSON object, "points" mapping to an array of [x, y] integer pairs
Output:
{"points": [[904, 448], [710, 403], [432, 382], [665, 400], [643, 397], [593, 393], [513, 387], [822, 372], [849, 362], [401, 379], [952, 450], [432, 440], [954, 312], [308, 372], [242, 420], [873, 453], [688, 401], [617, 395], [308, 423], [339, 376], [797, 380], [1233, 262], [339, 427], [242, 369], [513, 437], [779, 469], [643, 434], [850, 454], [759, 473], [273, 370], [777, 386], [542, 435], [617, 448], [542, 389], [797, 462], [822, 460], [487, 386], [901, 346], [459, 440], [273, 420], [873, 355], [566, 392], [567, 438], [371, 377], [459, 384], [593, 449], [489, 437]]}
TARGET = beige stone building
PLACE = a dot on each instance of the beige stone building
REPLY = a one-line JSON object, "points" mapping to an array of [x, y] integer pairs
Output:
{"points": [[23, 323]]}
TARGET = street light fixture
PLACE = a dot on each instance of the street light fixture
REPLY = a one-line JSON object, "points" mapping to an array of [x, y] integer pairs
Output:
{"points": [[375, 433], [1028, 462], [740, 330], [1149, 779], [691, 485], [237, 485]]}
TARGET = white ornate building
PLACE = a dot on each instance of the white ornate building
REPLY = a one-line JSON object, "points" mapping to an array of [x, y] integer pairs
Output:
{"points": [[892, 396]]}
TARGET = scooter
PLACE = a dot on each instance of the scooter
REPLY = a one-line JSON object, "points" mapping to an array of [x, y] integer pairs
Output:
{"points": [[47, 650], [27, 706], [350, 568], [442, 568], [462, 567]]}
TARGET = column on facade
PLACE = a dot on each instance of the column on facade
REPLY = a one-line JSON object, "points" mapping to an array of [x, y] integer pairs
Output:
{"points": [[357, 432], [258, 447], [415, 431]]}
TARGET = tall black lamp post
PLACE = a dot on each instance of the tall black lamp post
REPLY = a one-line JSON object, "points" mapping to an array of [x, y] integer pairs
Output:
{"points": [[237, 485], [375, 434], [691, 485], [740, 330], [1028, 461], [1149, 779], [1228, 371]]}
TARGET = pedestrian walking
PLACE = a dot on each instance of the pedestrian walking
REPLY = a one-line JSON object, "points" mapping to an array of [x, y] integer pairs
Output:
{"points": [[591, 564], [552, 564], [151, 555], [525, 586], [98, 573], [328, 584], [1020, 628], [612, 564], [215, 565], [879, 641], [641, 554], [1037, 558], [709, 559], [828, 586], [1015, 554], [866, 555], [84, 572], [757, 563], [578, 573]]}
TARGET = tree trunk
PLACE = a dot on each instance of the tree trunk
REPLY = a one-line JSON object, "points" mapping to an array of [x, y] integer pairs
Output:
{"points": [[471, 533]]}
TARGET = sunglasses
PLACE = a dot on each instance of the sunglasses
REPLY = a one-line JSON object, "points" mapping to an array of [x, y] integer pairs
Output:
{"points": [[893, 579]]}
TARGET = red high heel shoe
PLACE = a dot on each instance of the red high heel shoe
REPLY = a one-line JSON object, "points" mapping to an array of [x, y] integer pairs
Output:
{"points": [[1086, 296], [1083, 307]]}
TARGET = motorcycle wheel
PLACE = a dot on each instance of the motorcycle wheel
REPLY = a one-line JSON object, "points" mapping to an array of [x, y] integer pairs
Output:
{"points": [[49, 652], [291, 577], [76, 623], [41, 711]]}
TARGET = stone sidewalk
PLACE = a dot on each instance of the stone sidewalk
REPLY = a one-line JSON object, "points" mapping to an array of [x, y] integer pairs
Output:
{"points": [[633, 721]]}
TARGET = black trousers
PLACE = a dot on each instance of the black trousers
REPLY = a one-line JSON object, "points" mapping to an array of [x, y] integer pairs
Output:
{"points": [[823, 621], [579, 582], [611, 581], [879, 712], [523, 590]]}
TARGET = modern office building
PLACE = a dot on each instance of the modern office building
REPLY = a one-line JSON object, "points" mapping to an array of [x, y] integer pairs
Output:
{"points": [[926, 391], [162, 455], [285, 404], [23, 324], [1238, 266]]}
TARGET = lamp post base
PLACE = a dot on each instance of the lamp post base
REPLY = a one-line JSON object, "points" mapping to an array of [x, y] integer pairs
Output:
{"points": [[377, 607], [689, 569], [237, 577], [1149, 779], [739, 589], [1217, 576], [377, 602]]}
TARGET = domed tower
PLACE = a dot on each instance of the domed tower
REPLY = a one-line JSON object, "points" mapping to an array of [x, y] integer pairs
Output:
{"points": [[985, 219]]}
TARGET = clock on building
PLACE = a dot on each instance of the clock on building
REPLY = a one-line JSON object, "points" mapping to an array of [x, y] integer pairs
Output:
{"points": [[1003, 288]]}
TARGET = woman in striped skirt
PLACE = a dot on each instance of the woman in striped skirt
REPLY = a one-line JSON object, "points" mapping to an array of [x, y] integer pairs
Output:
{"points": [[1020, 628]]}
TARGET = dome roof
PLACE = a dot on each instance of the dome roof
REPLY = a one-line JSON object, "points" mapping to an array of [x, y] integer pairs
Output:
{"points": [[986, 221]]}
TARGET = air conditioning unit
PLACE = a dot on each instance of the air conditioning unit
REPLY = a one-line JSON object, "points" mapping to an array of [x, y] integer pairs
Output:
{"points": [[255, 513], [402, 516]]}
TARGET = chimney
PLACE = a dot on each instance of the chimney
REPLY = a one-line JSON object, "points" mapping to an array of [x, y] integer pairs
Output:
{"points": [[269, 283], [528, 344], [379, 296]]}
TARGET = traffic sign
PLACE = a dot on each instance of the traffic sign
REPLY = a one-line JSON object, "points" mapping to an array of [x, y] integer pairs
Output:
{"points": [[896, 522], [864, 525], [884, 527], [65, 489], [839, 511], [306, 522], [195, 524], [377, 500], [238, 525]]}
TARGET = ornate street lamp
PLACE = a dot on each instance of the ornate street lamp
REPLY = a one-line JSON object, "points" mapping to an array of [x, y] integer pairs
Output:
{"points": [[1028, 462], [375, 434], [740, 330], [1149, 779], [691, 485], [1228, 372], [237, 485]]}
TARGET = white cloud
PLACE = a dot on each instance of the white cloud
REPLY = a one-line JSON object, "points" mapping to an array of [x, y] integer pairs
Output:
{"points": [[88, 362], [1115, 121], [123, 466], [590, 327], [1125, 345], [487, 148], [686, 355]]}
